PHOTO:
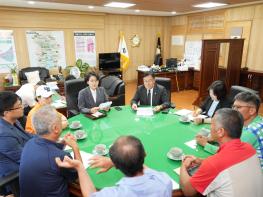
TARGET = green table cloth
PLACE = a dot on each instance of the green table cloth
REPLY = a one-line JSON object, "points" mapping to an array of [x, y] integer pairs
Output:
{"points": [[158, 134]]}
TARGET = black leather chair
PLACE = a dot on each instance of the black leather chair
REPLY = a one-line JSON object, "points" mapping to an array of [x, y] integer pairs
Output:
{"points": [[234, 90], [43, 74], [115, 88], [72, 88], [12, 181], [165, 82]]}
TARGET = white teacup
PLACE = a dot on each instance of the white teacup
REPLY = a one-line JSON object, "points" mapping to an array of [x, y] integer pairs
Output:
{"points": [[204, 132], [100, 149], [79, 134], [75, 124], [185, 118], [176, 152]]}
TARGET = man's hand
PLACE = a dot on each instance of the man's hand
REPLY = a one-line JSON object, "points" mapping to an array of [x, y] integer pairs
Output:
{"points": [[70, 140], [190, 161], [94, 110], [68, 163], [157, 108], [201, 140], [104, 163], [134, 106]]}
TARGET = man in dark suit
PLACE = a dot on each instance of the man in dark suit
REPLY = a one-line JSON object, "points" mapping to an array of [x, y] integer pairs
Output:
{"points": [[12, 136], [151, 94]]}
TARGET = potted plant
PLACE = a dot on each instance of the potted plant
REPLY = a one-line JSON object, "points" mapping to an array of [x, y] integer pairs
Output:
{"points": [[82, 67], [13, 69]]}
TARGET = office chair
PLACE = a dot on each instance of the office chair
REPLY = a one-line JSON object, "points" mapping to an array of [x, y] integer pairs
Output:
{"points": [[165, 82], [72, 88], [43, 74], [234, 90], [12, 181], [115, 88]]}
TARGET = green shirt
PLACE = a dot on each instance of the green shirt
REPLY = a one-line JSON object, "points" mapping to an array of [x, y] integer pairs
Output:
{"points": [[247, 136]]}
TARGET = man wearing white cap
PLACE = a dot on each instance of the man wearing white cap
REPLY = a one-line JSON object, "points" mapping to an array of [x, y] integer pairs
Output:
{"points": [[43, 96]]}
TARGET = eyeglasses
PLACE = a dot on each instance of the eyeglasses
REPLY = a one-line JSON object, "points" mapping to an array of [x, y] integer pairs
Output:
{"points": [[240, 106], [20, 107]]}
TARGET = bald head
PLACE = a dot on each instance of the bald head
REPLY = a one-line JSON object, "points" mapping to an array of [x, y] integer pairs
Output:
{"points": [[127, 153]]}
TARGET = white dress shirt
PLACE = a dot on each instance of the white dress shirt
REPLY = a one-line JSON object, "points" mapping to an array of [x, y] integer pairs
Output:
{"points": [[94, 94]]}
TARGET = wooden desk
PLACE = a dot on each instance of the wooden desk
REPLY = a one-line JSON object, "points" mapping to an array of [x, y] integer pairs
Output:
{"points": [[185, 79], [11, 88]]}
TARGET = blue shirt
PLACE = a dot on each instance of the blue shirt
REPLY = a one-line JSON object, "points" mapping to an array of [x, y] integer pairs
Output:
{"points": [[212, 108], [39, 175], [151, 184], [12, 141]]}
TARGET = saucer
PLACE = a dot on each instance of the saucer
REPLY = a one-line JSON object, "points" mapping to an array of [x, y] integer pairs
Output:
{"points": [[72, 127], [81, 134], [101, 154], [184, 121], [175, 158]]}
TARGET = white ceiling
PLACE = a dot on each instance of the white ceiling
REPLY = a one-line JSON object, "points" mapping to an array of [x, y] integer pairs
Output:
{"points": [[146, 7]]}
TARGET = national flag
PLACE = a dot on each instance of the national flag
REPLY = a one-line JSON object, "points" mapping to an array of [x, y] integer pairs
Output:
{"points": [[123, 50], [158, 60]]}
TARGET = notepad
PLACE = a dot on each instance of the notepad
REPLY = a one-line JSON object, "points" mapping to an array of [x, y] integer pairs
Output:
{"points": [[144, 111], [192, 144], [183, 112], [177, 170], [85, 158]]}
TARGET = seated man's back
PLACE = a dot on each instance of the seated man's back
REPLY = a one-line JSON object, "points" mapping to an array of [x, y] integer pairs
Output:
{"points": [[151, 184], [39, 174], [234, 171]]}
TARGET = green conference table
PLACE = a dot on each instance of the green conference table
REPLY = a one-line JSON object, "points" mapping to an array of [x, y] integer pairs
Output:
{"points": [[158, 134]]}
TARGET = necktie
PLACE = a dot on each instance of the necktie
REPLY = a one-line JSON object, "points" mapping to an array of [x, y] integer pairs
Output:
{"points": [[149, 97]]}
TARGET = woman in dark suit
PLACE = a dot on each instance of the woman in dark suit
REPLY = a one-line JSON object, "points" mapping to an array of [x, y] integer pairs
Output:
{"points": [[217, 99], [92, 96]]}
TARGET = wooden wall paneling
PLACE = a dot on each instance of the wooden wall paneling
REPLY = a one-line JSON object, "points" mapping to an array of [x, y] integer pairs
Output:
{"points": [[166, 29], [179, 20], [240, 13], [246, 25], [258, 11], [195, 24], [255, 58], [178, 51], [47, 19]]}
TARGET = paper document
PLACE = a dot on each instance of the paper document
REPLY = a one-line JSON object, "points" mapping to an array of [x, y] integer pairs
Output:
{"points": [[175, 185], [97, 114], [183, 112], [59, 104], [85, 158], [191, 117], [52, 85], [192, 144], [177, 170], [105, 105], [144, 111]]}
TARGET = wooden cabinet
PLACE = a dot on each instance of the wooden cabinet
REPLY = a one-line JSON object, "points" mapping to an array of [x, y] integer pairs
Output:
{"points": [[252, 79], [196, 82], [180, 80], [211, 64]]}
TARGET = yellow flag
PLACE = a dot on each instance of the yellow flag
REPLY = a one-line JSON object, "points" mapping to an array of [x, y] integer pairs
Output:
{"points": [[123, 50]]}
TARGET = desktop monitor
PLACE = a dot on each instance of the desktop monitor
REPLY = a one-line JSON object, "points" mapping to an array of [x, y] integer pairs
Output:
{"points": [[171, 63], [109, 61]]}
